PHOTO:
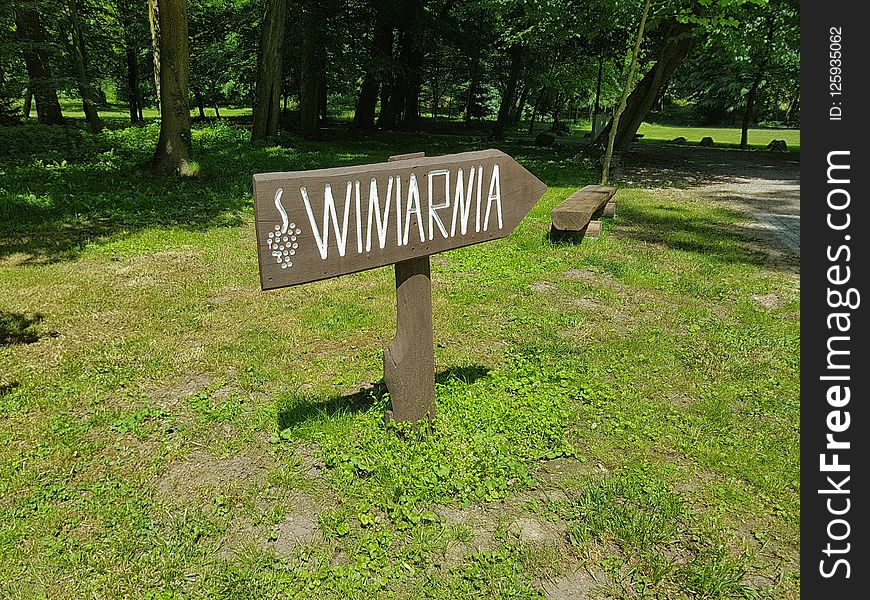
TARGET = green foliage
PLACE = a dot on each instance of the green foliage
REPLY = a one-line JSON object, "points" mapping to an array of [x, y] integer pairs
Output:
{"points": [[718, 76]]}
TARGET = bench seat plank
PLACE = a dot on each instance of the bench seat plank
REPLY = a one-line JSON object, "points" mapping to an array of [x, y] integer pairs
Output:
{"points": [[574, 213]]}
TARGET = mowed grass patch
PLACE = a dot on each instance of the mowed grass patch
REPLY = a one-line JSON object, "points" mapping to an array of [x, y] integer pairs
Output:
{"points": [[758, 138], [624, 407]]}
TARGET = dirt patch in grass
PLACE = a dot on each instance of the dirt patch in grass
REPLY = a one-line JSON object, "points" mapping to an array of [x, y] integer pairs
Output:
{"points": [[482, 524], [586, 303], [294, 530], [574, 585], [536, 532], [310, 460], [167, 395], [201, 472], [565, 473], [542, 287], [299, 526], [768, 301]]}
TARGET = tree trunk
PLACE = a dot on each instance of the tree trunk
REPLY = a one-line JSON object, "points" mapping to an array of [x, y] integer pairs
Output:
{"points": [[381, 51], [507, 100], [32, 37], [387, 117], [436, 94], [747, 111], [668, 57], [473, 82], [412, 39], [597, 107], [322, 99], [557, 110], [756, 82], [267, 107], [90, 97], [200, 104], [517, 113], [312, 70], [632, 68], [791, 106], [174, 144], [535, 113], [28, 104], [217, 110], [154, 24], [133, 81], [364, 115]]}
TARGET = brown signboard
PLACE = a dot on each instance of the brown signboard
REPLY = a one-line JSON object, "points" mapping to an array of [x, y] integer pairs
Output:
{"points": [[318, 224]]}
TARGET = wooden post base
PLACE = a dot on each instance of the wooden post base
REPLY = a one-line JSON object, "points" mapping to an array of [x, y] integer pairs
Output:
{"points": [[409, 361]]}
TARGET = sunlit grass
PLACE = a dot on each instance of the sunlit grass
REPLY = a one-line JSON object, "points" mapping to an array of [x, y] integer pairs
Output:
{"points": [[162, 420]]}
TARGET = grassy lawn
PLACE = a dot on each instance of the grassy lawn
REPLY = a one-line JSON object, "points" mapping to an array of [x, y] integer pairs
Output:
{"points": [[722, 136], [618, 418], [758, 138]]}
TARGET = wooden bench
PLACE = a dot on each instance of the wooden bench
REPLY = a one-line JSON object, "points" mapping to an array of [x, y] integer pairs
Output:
{"points": [[571, 217]]}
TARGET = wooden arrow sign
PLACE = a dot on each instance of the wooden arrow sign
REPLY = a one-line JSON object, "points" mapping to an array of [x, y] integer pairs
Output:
{"points": [[314, 225], [317, 224]]}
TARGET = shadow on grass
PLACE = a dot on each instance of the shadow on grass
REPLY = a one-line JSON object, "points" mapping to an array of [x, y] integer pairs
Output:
{"points": [[18, 328], [7, 388], [658, 165], [715, 236], [304, 409]]}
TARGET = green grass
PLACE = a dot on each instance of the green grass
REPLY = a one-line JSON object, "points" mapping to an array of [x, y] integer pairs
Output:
{"points": [[164, 425], [728, 137], [758, 138]]}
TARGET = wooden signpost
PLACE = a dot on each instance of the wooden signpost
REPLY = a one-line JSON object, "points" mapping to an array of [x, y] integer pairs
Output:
{"points": [[314, 225]]}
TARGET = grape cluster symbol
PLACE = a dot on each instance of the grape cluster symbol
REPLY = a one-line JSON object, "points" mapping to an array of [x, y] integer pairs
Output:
{"points": [[282, 242]]}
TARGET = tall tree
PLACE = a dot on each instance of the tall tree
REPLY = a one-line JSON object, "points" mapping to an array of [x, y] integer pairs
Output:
{"points": [[154, 23], [507, 99], [134, 98], [761, 64], [132, 24], [313, 59], [674, 46], [413, 34], [379, 57], [267, 102], [632, 68], [174, 150], [33, 40], [90, 98]]}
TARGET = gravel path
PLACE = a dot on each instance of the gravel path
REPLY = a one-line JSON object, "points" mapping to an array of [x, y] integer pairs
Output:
{"points": [[762, 185]]}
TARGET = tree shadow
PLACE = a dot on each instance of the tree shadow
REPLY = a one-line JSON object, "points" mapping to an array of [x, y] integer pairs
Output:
{"points": [[65, 189], [302, 408], [7, 388], [658, 165], [19, 328], [716, 237]]}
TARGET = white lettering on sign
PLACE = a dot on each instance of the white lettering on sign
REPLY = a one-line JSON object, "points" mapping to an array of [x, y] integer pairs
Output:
{"points": [[383, 219], [433, 208], [413, 200], [375, 222]]}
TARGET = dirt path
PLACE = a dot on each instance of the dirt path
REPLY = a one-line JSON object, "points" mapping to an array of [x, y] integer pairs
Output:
{"points": [[763, 186]]}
